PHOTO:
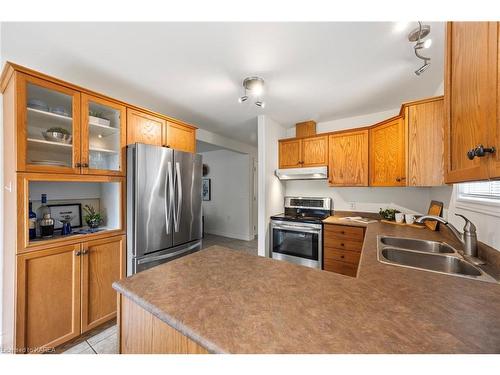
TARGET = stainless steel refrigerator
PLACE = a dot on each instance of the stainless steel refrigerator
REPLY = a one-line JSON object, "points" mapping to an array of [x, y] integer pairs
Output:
{"points": [[163, 205]]}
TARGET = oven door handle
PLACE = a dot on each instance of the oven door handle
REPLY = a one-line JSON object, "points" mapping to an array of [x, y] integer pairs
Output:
{"points": [[297, 229]]}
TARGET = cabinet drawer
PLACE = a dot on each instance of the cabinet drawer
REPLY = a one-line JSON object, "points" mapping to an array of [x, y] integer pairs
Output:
{"points": [[340, 267], [342, 255], [341, 244], [344, 232]]}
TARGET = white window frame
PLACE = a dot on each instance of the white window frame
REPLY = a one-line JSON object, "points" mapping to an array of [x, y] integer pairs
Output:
{"points": [[476, 204]]}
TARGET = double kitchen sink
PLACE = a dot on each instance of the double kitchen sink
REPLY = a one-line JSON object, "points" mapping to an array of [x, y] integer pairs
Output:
{"points": [[428, 256]]}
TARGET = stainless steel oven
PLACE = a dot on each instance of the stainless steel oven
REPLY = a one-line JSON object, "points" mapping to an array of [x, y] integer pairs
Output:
{"points": [[299, 243]]}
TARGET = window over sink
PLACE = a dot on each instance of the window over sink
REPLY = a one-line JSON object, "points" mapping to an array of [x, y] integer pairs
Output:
{"points": [[483, 197], [480, 192]]}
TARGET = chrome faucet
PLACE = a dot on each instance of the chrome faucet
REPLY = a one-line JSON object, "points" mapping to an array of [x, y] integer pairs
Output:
{"points": [[468, 238]]}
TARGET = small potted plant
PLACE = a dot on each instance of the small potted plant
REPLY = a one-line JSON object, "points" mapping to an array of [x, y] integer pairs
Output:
{"points": [[92, 218]]}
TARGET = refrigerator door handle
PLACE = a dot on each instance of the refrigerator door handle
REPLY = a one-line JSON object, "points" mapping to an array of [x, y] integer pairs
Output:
{"points": [[177, 215], [166, 256], [168, 196]]}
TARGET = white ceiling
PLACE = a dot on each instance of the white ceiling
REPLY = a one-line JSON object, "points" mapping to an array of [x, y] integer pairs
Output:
{"points": [[193, 71]]}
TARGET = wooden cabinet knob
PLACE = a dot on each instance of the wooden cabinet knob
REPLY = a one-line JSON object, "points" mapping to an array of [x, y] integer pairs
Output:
{"points": [[342, 256], [342, 244]]}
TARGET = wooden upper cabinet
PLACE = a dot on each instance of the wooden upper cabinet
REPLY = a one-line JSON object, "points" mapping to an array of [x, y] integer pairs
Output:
{"points": [[48, 297], [471, 105], [144, 128], [290, 153], [42, 106], [425, 126], [180, 137], [315, 151], [103, 136], [303, 152], [387, 153], [103, 262], [348, 159]]}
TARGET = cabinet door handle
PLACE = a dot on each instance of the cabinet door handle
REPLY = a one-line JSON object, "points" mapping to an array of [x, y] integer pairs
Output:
{"points": [[342, 256], [85, 165], [399, 179], [78, 253], [85, 252], [78, 165], [480, 151], [342, 244]]}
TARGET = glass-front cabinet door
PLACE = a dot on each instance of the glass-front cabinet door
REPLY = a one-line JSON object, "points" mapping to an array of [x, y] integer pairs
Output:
{"points": [[103, 136], [49, 131]]}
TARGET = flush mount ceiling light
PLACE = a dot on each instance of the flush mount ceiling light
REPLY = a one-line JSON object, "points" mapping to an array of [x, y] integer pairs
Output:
{"points": [[418, 35], [253, 87]]}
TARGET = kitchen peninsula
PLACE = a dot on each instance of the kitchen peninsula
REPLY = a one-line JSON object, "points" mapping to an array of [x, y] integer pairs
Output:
{"points": [[222, 301]]}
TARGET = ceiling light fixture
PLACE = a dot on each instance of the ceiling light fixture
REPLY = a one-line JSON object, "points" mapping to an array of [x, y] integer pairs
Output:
{"points": [[417, 35], [253, 87]]}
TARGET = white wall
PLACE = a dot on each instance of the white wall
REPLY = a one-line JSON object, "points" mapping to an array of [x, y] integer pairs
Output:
{"points": [[225, 142], [367, 199], [229, 212], [350, 122], [271, 190]]}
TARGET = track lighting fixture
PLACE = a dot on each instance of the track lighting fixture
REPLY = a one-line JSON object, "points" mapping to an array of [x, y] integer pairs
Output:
{"points": [[418, 35], [253, 87]]}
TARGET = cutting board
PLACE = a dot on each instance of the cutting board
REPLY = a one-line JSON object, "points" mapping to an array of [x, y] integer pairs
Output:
{"points": [[419, 226]]}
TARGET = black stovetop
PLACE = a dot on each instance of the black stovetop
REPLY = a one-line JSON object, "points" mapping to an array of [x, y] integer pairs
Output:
{"points": [[301, 218]]}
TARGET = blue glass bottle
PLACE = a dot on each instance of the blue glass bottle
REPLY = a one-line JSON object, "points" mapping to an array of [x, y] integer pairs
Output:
{"points": [[32, 222]]}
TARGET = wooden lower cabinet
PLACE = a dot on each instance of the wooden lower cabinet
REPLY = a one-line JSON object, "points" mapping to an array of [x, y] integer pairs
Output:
{"points": [[140, 332], [65, 291], [103, 262], [48, 298], [342, 246]]}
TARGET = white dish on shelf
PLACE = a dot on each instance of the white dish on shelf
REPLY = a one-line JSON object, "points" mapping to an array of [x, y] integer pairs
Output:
{"points": [[38, 104], [99, 121], [37, 111], [61, 111]]}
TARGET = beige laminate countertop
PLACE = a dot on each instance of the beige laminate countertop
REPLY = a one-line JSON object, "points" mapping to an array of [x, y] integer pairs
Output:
{"points": [[231, 302]]}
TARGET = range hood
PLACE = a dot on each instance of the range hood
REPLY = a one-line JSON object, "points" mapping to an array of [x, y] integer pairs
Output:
{"points": [[312, 173]]}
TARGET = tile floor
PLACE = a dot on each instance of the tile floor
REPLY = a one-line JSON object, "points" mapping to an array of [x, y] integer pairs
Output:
{"points": [[247, 246], [105, 340], [100, 342]]}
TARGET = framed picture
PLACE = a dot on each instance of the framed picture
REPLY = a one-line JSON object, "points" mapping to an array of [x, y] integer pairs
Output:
{"points": [[206, 189], [61, 212], [435, 209]]}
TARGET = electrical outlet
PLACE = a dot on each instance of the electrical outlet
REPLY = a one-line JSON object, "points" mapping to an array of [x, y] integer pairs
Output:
{"points": [[352, 205]]}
